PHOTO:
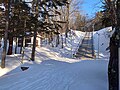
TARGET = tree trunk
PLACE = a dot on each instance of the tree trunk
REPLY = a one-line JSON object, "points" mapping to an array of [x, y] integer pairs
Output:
{"points": [[34, 45], [10, 45], [16, 45], [5, 35], [20, 43], [57, 40], [5, 47], [113, 64], [0, 43], [62, 40], [49, 39], [23, 49], [67, 29]]}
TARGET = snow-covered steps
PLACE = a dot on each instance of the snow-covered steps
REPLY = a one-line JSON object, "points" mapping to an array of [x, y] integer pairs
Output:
{"points": [[85, 51]]}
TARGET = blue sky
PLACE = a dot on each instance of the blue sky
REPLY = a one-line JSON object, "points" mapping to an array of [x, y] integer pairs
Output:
{"points": [[91, 6]]}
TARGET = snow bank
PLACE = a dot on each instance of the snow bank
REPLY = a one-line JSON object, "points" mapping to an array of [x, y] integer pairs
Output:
{"points": [[101, 42]]}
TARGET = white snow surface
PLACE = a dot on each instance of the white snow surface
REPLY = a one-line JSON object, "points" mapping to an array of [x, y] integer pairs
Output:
{"points": [[54, 69], [101, 42]]}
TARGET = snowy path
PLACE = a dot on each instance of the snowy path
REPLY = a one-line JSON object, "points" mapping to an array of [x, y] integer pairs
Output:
{"points": [[55, 75]]}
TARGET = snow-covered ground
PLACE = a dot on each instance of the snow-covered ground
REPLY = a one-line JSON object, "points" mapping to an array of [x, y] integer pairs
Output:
{"points": [[54, 69], [101, 42]]}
